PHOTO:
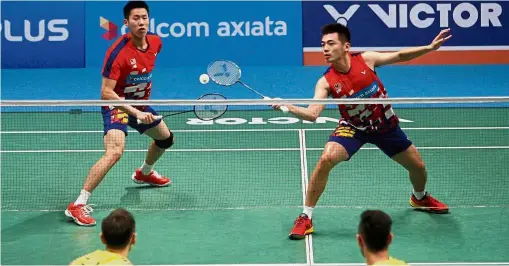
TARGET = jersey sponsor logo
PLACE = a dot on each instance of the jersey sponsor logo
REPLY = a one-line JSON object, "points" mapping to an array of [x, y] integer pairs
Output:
{"points": [[139, 78], [367, 92]]}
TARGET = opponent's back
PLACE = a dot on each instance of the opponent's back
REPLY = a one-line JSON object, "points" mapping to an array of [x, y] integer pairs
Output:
{"points": [[101, 257], [361, 82], [131, 67], [391, 261]]}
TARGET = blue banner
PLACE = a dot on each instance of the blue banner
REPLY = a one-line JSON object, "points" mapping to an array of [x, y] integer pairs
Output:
{"points": [[195, 33], [410, 23], [43, 34]]}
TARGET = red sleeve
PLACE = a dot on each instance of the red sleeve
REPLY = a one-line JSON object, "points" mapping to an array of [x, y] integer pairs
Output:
{"points": [[113, 60], [111, 70]]}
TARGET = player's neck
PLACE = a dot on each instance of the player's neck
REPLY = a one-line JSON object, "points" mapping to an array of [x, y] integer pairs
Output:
{"points": [[372, 258], [139, 43], [124, 252], [342, 65]]}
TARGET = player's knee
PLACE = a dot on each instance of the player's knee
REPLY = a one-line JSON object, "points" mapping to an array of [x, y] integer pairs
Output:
{"points": [[115, 154], [329, 160], [419, 166], [165, 143]]}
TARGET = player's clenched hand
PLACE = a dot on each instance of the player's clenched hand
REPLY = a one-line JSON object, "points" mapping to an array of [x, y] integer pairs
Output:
{"points": [[275, 106], [443, 36], [146, 118]]}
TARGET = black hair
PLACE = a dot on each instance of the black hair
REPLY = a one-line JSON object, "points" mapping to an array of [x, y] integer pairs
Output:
{"points": [[132, 5], [375, 228], [338, 28], [118, 228]]}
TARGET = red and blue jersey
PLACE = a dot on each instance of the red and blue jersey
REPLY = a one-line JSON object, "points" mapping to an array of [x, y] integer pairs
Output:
{"points": [[131, 67], [361, 82]]}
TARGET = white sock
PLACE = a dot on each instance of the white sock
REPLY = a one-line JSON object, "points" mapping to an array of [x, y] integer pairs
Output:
{"points": [[308, 211], [83, 198], [419, 195], [146, 168]]}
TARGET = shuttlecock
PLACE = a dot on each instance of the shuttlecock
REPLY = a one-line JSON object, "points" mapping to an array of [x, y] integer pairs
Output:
{"points": [[204, 78]]}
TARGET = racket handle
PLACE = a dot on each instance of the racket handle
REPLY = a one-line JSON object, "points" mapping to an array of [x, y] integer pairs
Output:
{"points": [[157, 117], [282, 108]]}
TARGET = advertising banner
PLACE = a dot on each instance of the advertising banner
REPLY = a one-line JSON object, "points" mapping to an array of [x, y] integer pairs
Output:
{"points": [[43, 34], [479, 28], [195, 33]]}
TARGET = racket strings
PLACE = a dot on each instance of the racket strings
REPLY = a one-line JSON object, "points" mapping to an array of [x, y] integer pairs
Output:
{"points": [[224, 72], [211, 111]]}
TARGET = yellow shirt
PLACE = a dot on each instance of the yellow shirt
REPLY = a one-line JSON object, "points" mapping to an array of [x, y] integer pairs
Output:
{"points": [[101, 257], [391, 261]]}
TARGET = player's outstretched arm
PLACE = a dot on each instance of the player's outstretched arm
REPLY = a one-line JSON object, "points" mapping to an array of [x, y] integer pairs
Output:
{"points": [[312, 112], [376, 59]]}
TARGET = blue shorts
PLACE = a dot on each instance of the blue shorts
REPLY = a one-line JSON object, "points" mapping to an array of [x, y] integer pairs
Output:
{"points": [[390, 143], [117, 119]]}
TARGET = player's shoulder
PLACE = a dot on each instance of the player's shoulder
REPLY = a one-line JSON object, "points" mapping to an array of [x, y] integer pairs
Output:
{"points": [[153, 37], [357, 56], [391, 261], [328, 71], [118, 46], [155, 41], [85, 258], [101, 257]]}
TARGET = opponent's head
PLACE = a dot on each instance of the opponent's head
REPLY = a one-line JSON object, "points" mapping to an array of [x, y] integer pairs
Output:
{"points": [[374, 232], [118, 230], [335, 41], [136, 18]]}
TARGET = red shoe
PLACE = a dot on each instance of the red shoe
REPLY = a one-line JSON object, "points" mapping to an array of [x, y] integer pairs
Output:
{"points": [[154, 178], [428, 204], [303, 226], [80, 214]]}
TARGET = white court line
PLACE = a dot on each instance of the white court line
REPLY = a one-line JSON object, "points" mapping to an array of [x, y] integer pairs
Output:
{"points": [[142, 150], [347, 264], [134, 131], [309, 238], [303, 169], [428, 128], [243, 130], [254, 149], [434, 148]]}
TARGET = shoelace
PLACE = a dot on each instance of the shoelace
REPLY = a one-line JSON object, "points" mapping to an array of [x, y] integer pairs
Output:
{"points": [[157, 175], [86, 210], [432, 200], [299, 221]]}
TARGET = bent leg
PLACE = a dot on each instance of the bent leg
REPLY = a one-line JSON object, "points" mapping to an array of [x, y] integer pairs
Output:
{"points": [[332, 154], [399, 148], [78, 210], [342, 145], [162, 139], [411, 160], [114, 143]]}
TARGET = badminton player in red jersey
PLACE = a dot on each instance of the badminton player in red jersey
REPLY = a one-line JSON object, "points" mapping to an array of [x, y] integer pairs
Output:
{"points": [[127, 74], [352, 75]]}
